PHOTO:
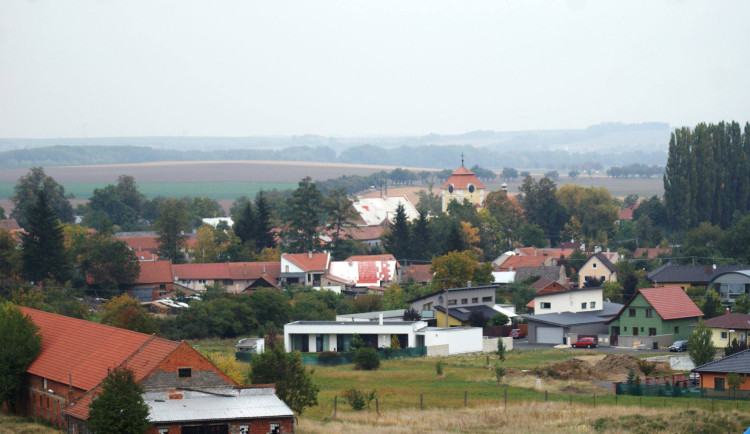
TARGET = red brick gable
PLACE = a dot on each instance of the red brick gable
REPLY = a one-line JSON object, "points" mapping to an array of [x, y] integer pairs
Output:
{"points": [[185, 356]]}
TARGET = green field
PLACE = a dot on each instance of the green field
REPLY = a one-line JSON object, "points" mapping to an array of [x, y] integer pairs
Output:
{"points": [[212, 190]]}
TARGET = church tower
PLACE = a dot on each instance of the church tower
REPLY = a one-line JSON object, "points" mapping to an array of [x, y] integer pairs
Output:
{"points": [[462, 184]]}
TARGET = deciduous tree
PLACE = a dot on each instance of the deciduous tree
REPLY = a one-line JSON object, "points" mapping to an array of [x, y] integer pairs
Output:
{"points": [[701, 347], [171, 226], [456, 269], [20, 344], [120, 406], [127, 313], [109, 262], [25, 197]]}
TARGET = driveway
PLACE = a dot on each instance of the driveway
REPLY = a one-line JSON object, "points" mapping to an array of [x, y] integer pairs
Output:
{"points": [[525, 344]]}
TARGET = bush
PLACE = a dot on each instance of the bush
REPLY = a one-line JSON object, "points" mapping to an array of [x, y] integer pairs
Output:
{"points": [[366, 359], [646, 367], [499, 319], [359, 400], [499, 372], [439, 368]]}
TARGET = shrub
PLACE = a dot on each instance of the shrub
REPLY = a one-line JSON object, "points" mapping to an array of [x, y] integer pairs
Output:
{"points": [[499, 372], [439, 368], [499, 319], [646, 367], [395, 343], [358, 399], [366, 359], [500, 349]]}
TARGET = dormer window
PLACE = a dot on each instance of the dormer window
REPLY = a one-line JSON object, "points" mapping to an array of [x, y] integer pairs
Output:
{"points": [[471, 188]]}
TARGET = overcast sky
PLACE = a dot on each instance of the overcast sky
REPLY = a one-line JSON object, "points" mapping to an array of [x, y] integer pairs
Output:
{"points": [[236, 68]]}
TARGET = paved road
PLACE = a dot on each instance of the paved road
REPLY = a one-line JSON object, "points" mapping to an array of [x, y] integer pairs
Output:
{"points": [[525, 344]]}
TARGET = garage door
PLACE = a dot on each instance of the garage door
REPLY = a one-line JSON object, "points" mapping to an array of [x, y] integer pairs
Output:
{"points": [[549, 335]]}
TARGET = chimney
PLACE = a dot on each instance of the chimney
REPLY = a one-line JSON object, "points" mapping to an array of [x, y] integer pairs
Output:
{"points": [[380, 318], [468, 283], [727, 312], [309, 254]]}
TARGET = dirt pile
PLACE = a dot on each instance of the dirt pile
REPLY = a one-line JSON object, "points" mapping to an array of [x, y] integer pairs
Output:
{"points": [[616, 365], [565, 370]]}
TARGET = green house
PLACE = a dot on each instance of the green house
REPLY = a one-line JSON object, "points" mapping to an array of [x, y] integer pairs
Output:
{"points": [[654, 317]]}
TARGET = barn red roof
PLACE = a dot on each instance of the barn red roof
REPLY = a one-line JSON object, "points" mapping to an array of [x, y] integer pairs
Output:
{"points": [[142, 243], [461, 178], [254, 270], [418, 272], [155, 272], [362, 233], [670, 302], [82, 351]]}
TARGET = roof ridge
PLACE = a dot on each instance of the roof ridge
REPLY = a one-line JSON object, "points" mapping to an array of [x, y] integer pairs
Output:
{"points": [[721, 359]]}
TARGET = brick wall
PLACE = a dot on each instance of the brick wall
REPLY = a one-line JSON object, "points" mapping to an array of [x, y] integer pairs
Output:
{"points": [[46, 400], [202, 372]]}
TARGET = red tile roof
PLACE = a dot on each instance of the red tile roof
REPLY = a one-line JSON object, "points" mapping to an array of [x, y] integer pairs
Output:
{"points": [[254, 270], [461, 178], [10, 224], [142, 243], [516, 261], [213, 271], [369, 258], [419, 273], [652, 253], [627, 213], [670, 302], [155, 272], [554, 253], [83, 349], [362, 233], [318, 261]]}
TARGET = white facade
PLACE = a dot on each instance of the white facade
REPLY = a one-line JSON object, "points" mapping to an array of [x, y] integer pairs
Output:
{"points": [[375, 210], [214, 221], [459, 339], [578, 300], [365, 273]]}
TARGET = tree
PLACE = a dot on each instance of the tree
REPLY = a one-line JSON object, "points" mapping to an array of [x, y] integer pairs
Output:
{"points": [[510, 173], [10, 258], [542, 207], [702, 241], [421, 246], [109, 262], [612, 292], [20, 344], [244, 223], [478, 319], [305, 217], [499, 319], [573, 174], [711, 305], [500, 349], [532, 235], [171, 226], [395, 297], [701, 347], [741, 304], [630, 200], [397, 240], [734, 381], [293, 382], [211, 245], [264, 236], [735, 242], [456, 269], [26, 192], [552, 174], [368, 303], [44, 254], [120, 406], [341, 214], [507, 212], [411, 314], [127, 313]]}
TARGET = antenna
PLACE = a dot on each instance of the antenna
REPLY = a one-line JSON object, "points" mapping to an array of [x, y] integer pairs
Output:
{"points": [[462, 159]]}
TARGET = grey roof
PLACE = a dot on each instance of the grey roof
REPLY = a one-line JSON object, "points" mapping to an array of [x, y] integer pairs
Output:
{"points": [[695, 274], [468, 288], [575, 318], [551, 272], [605, 261], [228, 405], [737, 362], [462, 313]]}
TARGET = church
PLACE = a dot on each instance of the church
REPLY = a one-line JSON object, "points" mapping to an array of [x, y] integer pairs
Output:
{"points": [[462, 184]]}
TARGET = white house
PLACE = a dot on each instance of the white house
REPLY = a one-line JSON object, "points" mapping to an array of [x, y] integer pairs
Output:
{"points": [[375, 210], [304, 268], [318, 336], [366, 270], [574, 300]]}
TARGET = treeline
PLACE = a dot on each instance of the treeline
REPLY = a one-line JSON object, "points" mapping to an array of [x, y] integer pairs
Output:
{"points": [[424, 155], [635, 170], [707, 175]]}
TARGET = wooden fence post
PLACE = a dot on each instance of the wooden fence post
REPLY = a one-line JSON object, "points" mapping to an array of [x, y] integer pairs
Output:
{"points": [[545, 396], [335, 405], [377, 407], [465, 396], [506, 398], [421, 407], [594, 399]]}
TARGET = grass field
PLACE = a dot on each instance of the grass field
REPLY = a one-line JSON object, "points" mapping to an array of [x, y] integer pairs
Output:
{"points": [[212, 190]]}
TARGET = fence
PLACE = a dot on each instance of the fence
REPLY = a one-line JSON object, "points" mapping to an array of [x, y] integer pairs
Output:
{"points": [[679, 391]]}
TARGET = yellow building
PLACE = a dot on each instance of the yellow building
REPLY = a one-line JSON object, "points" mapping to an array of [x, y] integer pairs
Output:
{"points": [[726, 328], [462, 184], [460, 316]]}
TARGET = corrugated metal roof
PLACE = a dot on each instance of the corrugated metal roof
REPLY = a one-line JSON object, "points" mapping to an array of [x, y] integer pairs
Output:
{"points": [[198, 406]]}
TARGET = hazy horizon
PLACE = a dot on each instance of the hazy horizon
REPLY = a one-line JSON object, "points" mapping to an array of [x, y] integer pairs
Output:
{"points": [[343, 69]]}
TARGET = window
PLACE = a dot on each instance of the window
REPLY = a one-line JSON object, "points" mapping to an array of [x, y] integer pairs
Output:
{"points": [[163, 430], [625, 328], [649, 313], [592, 305], [652, 332], [723, 335], [583, 305], [184, 372], [631, 313], [475, 299], [676, 329], [719, 383], [202, 281], [471, 188], [641, 328], [464, 301], [545, 305], [593, 265], [427, 306], [487, 298], [635, 331], [244, 429], [275, 428], [451, 302]]}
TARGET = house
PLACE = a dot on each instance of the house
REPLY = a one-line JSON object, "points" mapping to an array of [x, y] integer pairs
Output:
{"points": [[627, 213], [713, 375], [144, 244], [555, 273], [456, 297], [572, 300], [366, 270], [318, 336], [555, 252], [154, 281], [545, 286], [183, 389], [460, 317], [386, 315], [417, 273], [597, 270], [566, 327], [11, 225], [304, 269], [514, 262], [234, 277], [728, 327], [685, 276], [654, 317], [381, 210], [251, 345], [370, 236], [215, 221], [462, 185], [730, 284], [651, 253]]}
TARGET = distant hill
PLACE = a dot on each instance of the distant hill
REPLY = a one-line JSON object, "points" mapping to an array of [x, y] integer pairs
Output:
{"points": [[607, 144]]}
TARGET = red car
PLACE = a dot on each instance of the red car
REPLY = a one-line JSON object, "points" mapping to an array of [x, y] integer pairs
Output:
{"points": [[516, 334], [584, 343]]}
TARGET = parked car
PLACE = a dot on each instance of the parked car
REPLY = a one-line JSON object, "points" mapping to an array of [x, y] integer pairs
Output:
{"points": [[678, 346], [517, 334], [584, 343]]}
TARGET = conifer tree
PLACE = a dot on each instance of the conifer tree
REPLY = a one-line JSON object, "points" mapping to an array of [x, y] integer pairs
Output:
{"points": [[264, 237], [397, 240], [120, 406], [245, 225], [44, 253]]}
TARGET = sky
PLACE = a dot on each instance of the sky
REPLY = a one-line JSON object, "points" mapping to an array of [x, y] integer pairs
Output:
{"points": [[114, 68]]}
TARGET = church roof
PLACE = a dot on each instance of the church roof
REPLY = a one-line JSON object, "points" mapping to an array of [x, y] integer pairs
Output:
{"points": [[461, 178]]}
